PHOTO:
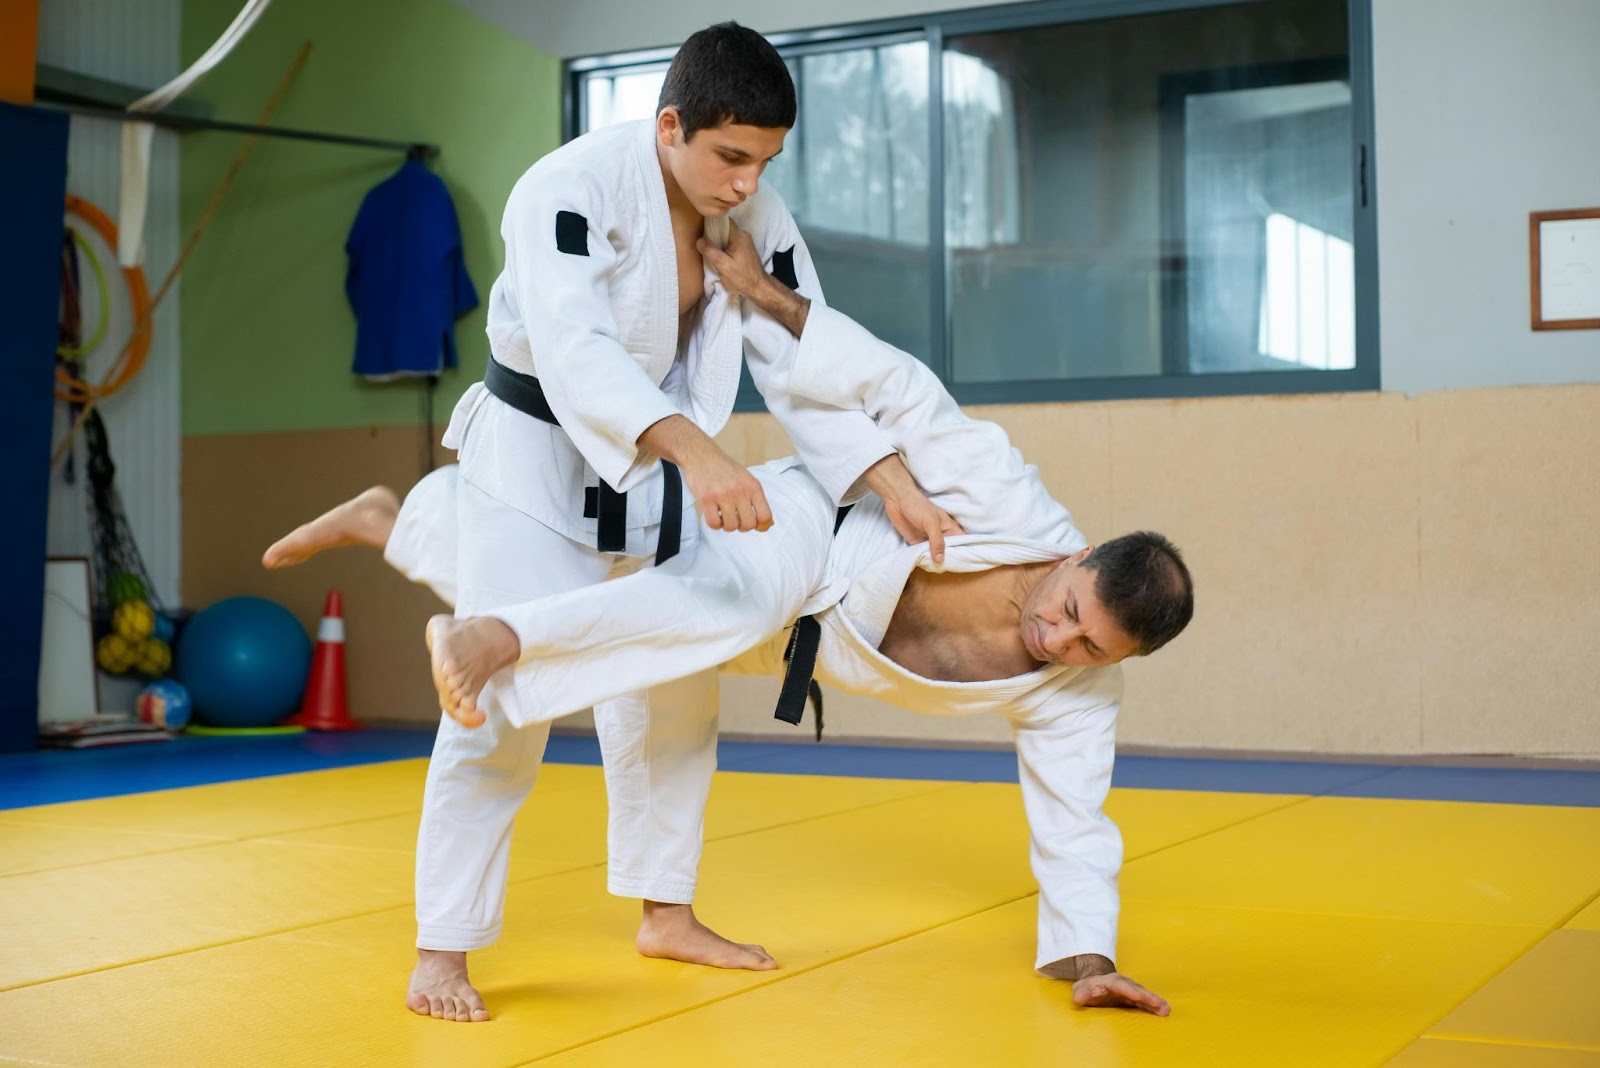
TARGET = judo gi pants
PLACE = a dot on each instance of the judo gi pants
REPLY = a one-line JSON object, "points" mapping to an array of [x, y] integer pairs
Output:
{"points": [[479, 778]]}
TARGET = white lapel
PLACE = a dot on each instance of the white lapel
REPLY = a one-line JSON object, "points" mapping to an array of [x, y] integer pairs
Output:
{"points": [[660, 257], [713, 357]]}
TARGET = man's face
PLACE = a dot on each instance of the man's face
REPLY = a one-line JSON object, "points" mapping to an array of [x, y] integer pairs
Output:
{"points": [[719, 166], [1063, 622]]}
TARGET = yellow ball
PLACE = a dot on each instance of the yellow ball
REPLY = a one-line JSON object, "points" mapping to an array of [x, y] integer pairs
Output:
{"points": [[134, 620], [153, 658], [115, 654]]}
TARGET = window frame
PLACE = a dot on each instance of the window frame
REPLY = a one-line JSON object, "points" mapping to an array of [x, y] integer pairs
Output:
{"points": [[933, 28]]}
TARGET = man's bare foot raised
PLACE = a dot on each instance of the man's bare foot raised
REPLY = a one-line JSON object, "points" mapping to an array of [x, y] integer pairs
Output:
{"points": [[365, 519], [464, 654], [672, 932], [440, 988]]}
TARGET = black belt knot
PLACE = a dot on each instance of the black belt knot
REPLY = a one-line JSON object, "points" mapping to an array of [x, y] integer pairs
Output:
{"points": [[603, 504]]}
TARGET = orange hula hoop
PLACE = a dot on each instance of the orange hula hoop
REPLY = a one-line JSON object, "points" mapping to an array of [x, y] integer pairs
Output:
{"points": [[76, 390]]}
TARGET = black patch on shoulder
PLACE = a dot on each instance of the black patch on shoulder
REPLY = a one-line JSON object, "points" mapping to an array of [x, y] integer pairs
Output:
{"points": [[572, 233], [783, 268]]}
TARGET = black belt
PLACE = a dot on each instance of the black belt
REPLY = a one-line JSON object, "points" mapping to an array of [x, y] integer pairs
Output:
{"points": [[801, 656], [603, 504]]}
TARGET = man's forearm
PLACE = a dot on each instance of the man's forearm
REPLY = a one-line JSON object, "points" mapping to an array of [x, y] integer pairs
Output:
{"points": [[1083, 966], [783, 304], [890, 479], [677, 439]]}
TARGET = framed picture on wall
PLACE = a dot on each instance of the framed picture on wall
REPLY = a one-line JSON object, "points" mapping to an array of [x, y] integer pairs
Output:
{"points": [[1564, 267]]}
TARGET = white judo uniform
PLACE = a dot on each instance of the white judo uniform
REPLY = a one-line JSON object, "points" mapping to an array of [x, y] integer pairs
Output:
{"points": [[588, 303], [733, 604]]}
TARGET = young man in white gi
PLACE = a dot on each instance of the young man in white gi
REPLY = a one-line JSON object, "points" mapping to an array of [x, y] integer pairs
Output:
{"points": [[1022, 618], [615, 349]]}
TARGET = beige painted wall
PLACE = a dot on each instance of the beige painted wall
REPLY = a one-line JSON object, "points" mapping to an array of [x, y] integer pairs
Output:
{"points": [[243, 491], [1375, 573]]}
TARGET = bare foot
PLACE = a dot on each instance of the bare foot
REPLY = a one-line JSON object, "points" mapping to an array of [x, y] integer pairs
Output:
{"points": [[365, 519], [673, 933], [465, 653], [439, 988]]}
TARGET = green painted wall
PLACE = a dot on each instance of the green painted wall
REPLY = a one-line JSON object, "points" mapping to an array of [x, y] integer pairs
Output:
{"points": [[267, 333]]}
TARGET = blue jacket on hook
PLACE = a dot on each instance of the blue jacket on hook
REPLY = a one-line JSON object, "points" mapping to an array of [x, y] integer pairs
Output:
{"points": [[406, 281]]}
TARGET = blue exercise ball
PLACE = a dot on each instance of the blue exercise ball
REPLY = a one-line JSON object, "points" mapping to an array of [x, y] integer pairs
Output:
{"points": [[244, 661]]}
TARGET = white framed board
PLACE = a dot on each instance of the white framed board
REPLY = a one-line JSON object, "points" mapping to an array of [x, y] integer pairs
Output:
{"points": [[68, 686]]}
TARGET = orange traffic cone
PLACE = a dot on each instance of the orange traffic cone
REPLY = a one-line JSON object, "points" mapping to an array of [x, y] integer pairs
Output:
{"points": [[323, 707]]}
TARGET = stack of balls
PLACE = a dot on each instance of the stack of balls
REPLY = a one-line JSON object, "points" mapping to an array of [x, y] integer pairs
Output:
{"points": [[140, 641]]}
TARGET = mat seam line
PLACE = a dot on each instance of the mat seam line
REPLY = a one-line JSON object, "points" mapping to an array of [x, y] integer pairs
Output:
{"points": [[939, 788], [1529, 1043], [1470, 994], [1291, 803], [776, 980], [1294, 800], [1278, 910], [1574, 913], [201, 842]]}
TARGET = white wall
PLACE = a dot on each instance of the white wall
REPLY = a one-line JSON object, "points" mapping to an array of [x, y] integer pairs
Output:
{"points": [[1486, 110], [135, 44]]}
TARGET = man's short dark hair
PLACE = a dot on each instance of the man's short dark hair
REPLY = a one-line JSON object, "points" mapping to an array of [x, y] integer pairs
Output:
{"points": [[728, 73], [1143, 582]]}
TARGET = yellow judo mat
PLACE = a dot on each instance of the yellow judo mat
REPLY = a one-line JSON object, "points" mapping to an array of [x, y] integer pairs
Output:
{"points": [[269, 922]]}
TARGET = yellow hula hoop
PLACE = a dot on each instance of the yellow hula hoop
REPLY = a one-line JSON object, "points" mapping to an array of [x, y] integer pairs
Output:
{"points": [[72, 352]]}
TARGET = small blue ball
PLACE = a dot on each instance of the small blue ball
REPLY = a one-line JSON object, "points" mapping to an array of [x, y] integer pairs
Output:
{"points": [[165, 703]]}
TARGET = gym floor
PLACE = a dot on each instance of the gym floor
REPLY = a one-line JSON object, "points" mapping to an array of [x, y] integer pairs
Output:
{"points": [[248, 901]]}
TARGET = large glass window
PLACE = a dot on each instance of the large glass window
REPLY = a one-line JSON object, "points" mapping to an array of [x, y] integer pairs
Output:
{"points": [[855, 172], [1162, 202]]}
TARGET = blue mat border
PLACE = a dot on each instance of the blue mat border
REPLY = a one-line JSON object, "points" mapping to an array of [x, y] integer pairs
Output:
{"points": [[49, 777]]}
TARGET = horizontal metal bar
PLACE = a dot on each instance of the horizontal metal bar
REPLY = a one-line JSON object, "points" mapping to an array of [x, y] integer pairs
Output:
{"points": [[185, 123], [57, 85]]}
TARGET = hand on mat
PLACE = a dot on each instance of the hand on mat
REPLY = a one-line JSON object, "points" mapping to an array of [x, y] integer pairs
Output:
{"points": [[919, 519], [1115, 990], [728, 495], [739, 265]]}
